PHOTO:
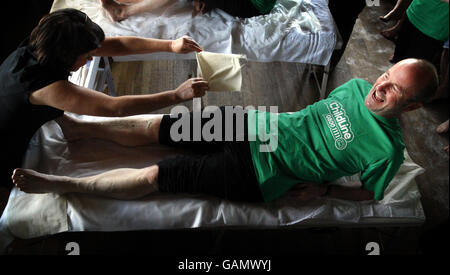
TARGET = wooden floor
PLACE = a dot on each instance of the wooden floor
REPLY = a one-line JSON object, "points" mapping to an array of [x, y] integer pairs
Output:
{"points": [[289, 86]]}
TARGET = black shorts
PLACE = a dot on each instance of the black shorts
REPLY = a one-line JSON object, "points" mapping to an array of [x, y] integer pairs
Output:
{"points": [[220, 168]]}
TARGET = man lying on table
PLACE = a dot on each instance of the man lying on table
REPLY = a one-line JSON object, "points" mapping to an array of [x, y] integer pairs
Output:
{"points": [[355, 130]]}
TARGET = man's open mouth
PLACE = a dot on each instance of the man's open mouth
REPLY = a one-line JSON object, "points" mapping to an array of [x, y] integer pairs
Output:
{"points": [[377, 97]]}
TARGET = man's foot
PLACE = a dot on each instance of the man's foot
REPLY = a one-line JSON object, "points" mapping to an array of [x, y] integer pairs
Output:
{"points": [[30, 181], [70, 127], [443, 128], [115, 10]]}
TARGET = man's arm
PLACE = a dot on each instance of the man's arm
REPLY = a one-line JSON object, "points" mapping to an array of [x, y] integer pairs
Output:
{"points": [[127, 45]]}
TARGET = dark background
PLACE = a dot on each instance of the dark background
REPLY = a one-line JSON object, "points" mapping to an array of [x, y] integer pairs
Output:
{"points": [[20, 17]]}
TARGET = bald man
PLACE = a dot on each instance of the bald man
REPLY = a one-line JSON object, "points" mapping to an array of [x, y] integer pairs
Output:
{"points": [[355, 130]]}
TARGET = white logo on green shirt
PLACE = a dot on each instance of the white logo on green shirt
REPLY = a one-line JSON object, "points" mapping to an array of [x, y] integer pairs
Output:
{"points": [[339, 124]]}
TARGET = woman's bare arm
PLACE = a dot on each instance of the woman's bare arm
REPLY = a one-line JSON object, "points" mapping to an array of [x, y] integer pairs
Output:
{"points": [[127, 45], [69, 97]]}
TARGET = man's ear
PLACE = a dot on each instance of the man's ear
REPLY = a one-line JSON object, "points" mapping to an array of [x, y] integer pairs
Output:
{"points": [[412, 107]]}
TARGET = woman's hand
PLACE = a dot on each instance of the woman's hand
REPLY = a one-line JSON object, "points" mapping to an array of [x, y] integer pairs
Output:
{"points": [[308, 191], [194, 87], [185, 44]]}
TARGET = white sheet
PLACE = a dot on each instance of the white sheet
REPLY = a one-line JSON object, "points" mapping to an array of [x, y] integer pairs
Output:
{"points": [[25, 218], [295, 31]]}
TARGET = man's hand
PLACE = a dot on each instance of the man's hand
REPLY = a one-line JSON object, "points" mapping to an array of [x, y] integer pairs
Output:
{"points": [[308, 191], [185, 44], [194, 87]]}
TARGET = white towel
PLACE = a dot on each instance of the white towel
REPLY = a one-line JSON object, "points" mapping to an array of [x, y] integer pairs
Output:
{"points": [[222, 71]]}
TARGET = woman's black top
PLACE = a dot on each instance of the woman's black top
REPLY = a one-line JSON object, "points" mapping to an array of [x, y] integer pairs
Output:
{"points": [[20, 75]]}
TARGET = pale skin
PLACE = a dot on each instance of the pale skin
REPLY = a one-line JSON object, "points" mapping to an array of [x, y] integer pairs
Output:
{"points": [[389, 98], [124, 9]]}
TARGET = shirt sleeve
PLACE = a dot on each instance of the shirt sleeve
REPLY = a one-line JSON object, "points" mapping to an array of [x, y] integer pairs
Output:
{"points": [[377, 176]]}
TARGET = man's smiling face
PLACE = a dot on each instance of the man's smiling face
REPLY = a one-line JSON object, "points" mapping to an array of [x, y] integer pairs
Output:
{"points": [[393, 90]]}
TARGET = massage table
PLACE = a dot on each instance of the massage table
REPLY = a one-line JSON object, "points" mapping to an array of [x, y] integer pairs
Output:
{"points": [[300, 31], [29, 216]]}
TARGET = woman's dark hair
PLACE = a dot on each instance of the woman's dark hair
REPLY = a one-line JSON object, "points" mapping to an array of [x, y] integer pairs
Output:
{"points": [[62, 36]]}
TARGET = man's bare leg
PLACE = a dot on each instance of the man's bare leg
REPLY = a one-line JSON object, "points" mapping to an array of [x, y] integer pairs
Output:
{"points": [[120, 12], [122, 184], [129, 131]]}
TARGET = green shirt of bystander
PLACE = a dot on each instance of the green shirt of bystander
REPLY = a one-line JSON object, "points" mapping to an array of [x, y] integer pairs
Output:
{"points": [[431, 17]]}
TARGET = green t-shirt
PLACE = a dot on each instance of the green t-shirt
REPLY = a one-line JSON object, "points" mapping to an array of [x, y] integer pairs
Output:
{"points": [[430, 17], [332, 138], [264, 6]]}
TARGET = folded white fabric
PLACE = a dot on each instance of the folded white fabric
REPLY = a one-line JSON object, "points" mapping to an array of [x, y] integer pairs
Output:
{"points": [[35, 215], [222, 71]]}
